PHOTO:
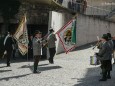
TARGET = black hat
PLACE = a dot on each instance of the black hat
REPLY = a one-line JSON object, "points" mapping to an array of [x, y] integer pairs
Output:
{"points": [[51, 30], [37, 32], [109, 36], [105, 36]]}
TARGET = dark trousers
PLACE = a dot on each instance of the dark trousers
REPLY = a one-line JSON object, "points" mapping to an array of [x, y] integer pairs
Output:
{"points": [[8, 57], [52, 52], [106, 67], [30, 53], [13, 54], [36, 61]]}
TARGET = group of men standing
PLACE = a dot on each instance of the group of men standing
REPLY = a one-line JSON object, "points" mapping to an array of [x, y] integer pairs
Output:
{"points": [[106, 48], [38, 43], [35, 47]]}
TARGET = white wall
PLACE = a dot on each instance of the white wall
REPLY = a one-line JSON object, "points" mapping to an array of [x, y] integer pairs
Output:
{"points": [[89, 28], [56, 21]]}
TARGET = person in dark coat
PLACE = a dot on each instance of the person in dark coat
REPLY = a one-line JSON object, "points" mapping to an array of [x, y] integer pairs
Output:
{"points": [[112, 43], [105, 56], [113, 38], [51, 45], [37, 50], [8, 43]]}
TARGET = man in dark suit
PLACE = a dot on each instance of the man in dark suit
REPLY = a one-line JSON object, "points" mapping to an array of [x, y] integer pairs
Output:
{"points": [[8, 43]]}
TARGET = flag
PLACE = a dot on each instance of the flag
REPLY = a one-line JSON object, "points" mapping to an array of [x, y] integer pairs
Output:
{"points": [[67, 36], [21, 36], [73, 40]]}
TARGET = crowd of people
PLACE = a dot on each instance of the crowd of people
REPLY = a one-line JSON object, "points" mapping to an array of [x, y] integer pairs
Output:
{"points": [[106, 48], [36, 43]]}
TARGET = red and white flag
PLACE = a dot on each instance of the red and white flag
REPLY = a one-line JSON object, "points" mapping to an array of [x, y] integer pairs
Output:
{"points": [[65, 35]]}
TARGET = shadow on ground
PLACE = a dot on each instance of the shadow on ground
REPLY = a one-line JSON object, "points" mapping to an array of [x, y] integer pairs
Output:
{"points": [[3, 66], [89, 45], [19, 76], [28, 66], [41, 68], [92, 78], [1, 71]]}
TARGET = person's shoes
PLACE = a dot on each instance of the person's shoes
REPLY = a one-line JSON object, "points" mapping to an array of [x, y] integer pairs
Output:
{"points": [[39, 71], [8, 65], [36, 72], [108, 77], [103, 79], [51, 62]]}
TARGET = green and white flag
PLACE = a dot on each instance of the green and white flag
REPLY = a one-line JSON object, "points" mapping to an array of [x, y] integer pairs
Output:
{"points": [[73, 40]]}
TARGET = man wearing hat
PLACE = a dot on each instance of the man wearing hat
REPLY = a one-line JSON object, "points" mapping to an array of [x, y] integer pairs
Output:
{"points": [[112, 43], [51, 45], [105, 56], [37, 49]]}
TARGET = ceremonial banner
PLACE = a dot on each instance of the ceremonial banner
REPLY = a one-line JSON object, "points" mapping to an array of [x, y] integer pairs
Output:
{"points": [[67, 35], [73, 40], [21, 36]]}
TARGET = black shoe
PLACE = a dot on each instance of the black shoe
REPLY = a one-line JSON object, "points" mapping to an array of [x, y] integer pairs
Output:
{"points": [[39, 71], [36, 72], [8, 65], [51, 62], [103, 79], [108, 77]]}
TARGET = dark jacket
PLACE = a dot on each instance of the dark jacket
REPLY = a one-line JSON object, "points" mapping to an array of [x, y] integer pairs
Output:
{"points": [[105, 53], [9, 44]]}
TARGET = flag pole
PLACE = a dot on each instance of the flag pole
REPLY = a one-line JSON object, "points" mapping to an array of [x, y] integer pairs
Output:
{"points": [[27, 53]]}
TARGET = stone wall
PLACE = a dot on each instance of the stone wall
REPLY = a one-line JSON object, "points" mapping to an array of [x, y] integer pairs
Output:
{"points": [[100, 7], [88, 28]]}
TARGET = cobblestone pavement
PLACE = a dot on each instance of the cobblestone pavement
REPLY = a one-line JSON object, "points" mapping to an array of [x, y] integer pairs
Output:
{"points": [[71, 69]]}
